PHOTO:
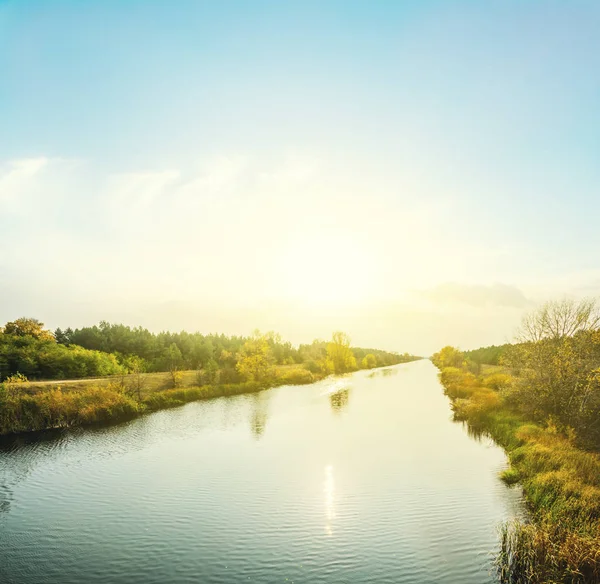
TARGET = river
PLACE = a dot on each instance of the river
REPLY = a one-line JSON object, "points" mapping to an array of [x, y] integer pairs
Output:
{"points": [[361, 479]]}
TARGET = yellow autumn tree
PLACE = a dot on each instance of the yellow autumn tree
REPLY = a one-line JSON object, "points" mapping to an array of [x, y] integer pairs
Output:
{"points": [[255, 359], [28, 327], [448, 357], [369, 361], [339, 353]]}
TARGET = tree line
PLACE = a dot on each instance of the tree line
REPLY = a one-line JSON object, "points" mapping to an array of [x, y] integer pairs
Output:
{"points": [[27, 348]]}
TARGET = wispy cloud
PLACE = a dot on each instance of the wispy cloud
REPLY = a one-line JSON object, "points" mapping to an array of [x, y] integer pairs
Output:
{"points": [[16, 176], [136, 191]]}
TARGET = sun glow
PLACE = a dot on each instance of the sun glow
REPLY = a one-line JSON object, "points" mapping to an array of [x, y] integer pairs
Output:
{"points": [[325, 271]]}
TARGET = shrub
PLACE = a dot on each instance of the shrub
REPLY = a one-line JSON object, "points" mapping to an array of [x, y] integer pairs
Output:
{"points": [[478, 407], [498, 381], [295, 376], [56, 408], [458, 383], [369, 361]]}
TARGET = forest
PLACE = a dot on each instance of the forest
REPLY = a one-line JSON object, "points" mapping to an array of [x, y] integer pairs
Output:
{"points": [[27, 348]]}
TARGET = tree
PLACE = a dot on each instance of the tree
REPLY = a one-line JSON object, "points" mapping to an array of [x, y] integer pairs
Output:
{"points": [[136, 368], [255, 360], [558, 358], [202, 353], [174, 361], [560, 318], [448, 357], [340, 354], [209, 374], [28, 327], [369, 361]]}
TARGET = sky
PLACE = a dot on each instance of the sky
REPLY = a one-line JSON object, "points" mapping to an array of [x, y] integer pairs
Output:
{"points": [[415, 173]]}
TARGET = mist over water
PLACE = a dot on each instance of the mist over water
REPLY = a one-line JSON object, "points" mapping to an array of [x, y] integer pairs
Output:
{"points": [[357, 479]]}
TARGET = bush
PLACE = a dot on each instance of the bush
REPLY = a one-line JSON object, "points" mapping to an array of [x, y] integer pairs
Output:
{"points": [[560, 481], [295, 376], [458, 383], [369, 361], [56, 408], [498, 381]]}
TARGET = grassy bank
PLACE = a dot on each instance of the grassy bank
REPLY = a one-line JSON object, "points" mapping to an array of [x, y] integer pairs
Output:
{"points": [[148, 383], [221, 366], [560, 481], [30, 407]]}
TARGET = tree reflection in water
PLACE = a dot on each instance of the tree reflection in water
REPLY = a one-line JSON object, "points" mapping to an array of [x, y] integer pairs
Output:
{"points": [[339, 400], [259, 412]]}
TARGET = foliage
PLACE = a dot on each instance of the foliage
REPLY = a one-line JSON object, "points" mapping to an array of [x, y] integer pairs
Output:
{"points": [[28, 327], [39, 357], [224, 366], [197, 350], [477, 407], [339, 353], [369, 361], [209, 374], [255, 361], [560, 377], [13, 381], [458, 383], [542, 417], [448, 357], [55, 408], [382, 358], [295, 376], [498, 381], [492, 355], [560, 481]]}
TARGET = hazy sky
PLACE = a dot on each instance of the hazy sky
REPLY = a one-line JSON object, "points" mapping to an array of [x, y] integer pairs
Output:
{"points": [[414, 173]]}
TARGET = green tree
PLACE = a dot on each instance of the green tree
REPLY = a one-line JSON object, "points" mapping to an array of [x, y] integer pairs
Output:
{"points": [[209, 374], [136, 367], [339, 353], [174, 361]]}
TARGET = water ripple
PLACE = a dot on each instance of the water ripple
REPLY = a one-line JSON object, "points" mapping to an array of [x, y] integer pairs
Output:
{"points": [[375, 485]]}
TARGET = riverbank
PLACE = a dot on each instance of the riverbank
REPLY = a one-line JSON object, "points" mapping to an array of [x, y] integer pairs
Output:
{"points": [[178, 495], [33, 407], [560, 482]]}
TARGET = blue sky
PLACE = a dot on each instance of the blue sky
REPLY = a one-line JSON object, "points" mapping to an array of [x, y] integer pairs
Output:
{"points": [[205, 164]]}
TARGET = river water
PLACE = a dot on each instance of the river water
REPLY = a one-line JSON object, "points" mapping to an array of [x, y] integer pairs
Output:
{"points": [[361, 479]]}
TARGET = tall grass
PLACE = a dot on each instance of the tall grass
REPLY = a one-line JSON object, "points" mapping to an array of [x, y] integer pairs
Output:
{"points": [[55, 408], [561, 485], [52, 407]]}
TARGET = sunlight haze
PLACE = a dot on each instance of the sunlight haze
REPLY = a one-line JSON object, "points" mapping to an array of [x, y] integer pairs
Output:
{"points": [[414, 173]]}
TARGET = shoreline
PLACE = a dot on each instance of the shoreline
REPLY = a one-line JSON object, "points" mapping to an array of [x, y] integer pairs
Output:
{"points": [[560, 483], [112, 404]]}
